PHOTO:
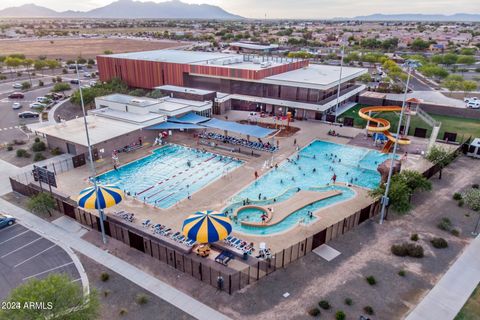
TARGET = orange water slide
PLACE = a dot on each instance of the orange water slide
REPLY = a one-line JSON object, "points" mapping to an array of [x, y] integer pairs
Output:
{"points": [[383, 125]]}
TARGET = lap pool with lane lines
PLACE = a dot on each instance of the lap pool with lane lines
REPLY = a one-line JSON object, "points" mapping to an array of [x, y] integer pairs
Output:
{"points": [[170, 174], [310, 169]]}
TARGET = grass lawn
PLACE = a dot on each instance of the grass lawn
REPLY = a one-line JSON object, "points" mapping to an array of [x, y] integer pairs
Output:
{"points": [[471, 309], [463, 127]]}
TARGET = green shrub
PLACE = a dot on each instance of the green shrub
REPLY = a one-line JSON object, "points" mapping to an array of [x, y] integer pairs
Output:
{"points": [[38, 157], [340, 315], [106, 293], [400, 250], [37, 139], [314, 312], [123, 311], [439, 243], [368, 310], [21, 153], [39, 146], [104, 276], [455, 232], [402, 273], [475, 186], [414, 237], [9, 147], [348, 301], [324, 304], [371, 280], [56, 151], [461, 202], [445, 224], [64, 71], [414, 251], [41, 83], [141, 299], [457, 196]]}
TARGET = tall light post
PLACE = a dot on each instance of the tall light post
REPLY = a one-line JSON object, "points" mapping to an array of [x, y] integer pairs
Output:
{"points": [[90, 154], [342, 53], [410, 65]]}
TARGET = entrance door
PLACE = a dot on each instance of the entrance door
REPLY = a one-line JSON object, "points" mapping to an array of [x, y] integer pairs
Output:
{"points": [[71, 149]]}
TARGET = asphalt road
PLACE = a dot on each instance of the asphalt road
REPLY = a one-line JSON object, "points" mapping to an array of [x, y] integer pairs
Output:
{"points": [[25, 254]]}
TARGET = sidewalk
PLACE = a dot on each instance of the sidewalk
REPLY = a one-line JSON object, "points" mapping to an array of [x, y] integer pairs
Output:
{"points": [[449, 295], [162, 290]]}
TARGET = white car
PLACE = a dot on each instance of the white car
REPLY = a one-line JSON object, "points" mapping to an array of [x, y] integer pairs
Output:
{"points": [[17, 85], [42, 99], [16, 105], [92, 83], [87, 75], [37, 105], [472, 99], [474, 104]]}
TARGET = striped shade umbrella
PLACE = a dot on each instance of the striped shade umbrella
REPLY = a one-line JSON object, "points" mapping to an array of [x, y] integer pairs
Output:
{"points": [[207, 226], [108, 196]]}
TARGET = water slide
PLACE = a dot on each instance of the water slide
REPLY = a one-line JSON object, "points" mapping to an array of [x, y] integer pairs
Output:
{"points": [[382, 125]]}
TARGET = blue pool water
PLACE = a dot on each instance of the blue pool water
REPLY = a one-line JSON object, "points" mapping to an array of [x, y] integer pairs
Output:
{"points": [[169, 174], [350, 164]]}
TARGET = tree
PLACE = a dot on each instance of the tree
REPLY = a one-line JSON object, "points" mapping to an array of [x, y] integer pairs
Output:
{"points": [[66, 298], [450, 58], [468, 60], [365, 78], [42, 203], [39, 64], [52, 64], [419, 44], [26, 85], [469, 86], [433, 71], [13, 62], [440, 157], [472, 199], [110, 51], [61, 87], [415, 180]]}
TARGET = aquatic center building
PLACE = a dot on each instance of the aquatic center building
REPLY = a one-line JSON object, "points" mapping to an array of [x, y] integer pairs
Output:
{"points": [[240, 81]]}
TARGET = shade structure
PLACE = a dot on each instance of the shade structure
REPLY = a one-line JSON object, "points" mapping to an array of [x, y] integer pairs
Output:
{"points": [[108, 196], [207, 226]]}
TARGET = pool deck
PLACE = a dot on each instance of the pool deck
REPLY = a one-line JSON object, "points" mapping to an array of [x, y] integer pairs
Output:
{"points": [[216, 195], [279, 211]]}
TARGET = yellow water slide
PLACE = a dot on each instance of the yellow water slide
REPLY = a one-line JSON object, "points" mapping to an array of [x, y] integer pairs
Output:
{"points": [[382, 125]]}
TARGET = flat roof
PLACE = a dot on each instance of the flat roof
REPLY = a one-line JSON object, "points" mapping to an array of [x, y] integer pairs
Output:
{"points": [[184, 90], [214, 59], [254, 46], [315, 76], [129, 100], [143, 119], [100, 129]]}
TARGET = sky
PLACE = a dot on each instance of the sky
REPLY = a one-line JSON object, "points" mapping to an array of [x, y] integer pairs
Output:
{"points": [[295, 9]]}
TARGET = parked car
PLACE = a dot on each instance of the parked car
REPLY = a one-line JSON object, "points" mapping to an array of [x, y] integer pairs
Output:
{"points": [[474, 104], [16, 95], [42, 99], [37, 105], [92, 83], [28, 114], [74, 81], [87, 75], [16, 105], [17, 85], [6, 220], [472, 99]]}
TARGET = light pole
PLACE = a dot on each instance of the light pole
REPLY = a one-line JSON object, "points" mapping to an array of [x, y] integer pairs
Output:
{"points": [[342, 52], [410, 64], [92, 165]]}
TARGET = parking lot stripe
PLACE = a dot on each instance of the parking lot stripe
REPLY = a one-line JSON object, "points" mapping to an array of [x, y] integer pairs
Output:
{"points": [[10, 228], [37, 274], [34, 256], [25, 245], [15, 236]]}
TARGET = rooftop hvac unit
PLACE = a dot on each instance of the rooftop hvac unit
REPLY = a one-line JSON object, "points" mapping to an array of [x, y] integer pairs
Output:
{"points": [[257, 61], [136, 101], [266, 64]]}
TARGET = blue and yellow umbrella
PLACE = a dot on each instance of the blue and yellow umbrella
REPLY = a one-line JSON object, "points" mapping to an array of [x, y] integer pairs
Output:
{"points": [[207, 226], [108, 196]]}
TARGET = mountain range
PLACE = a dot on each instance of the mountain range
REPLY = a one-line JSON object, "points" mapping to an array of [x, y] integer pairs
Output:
{"points": [[460, 17], [175, 9], [121, 9]]}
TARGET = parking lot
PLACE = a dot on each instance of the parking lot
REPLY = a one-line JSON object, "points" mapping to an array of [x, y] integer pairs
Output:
{"points": [[10, 123], [25, 254]]}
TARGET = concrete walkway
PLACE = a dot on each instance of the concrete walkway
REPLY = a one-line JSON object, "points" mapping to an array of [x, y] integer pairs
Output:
{"points": [[153, 285], [449, 295]]}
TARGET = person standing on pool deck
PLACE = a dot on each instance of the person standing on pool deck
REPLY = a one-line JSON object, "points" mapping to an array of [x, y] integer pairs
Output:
{"points": [[295, 141], [256, 175], [334, 178]]}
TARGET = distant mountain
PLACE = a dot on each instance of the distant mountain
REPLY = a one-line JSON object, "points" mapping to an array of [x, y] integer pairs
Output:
{"points": [[458, 17], [120, 9]]}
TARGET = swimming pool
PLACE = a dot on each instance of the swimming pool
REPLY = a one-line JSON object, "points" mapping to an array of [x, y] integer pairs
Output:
{"points": [[311, 168], [170, 174]]}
